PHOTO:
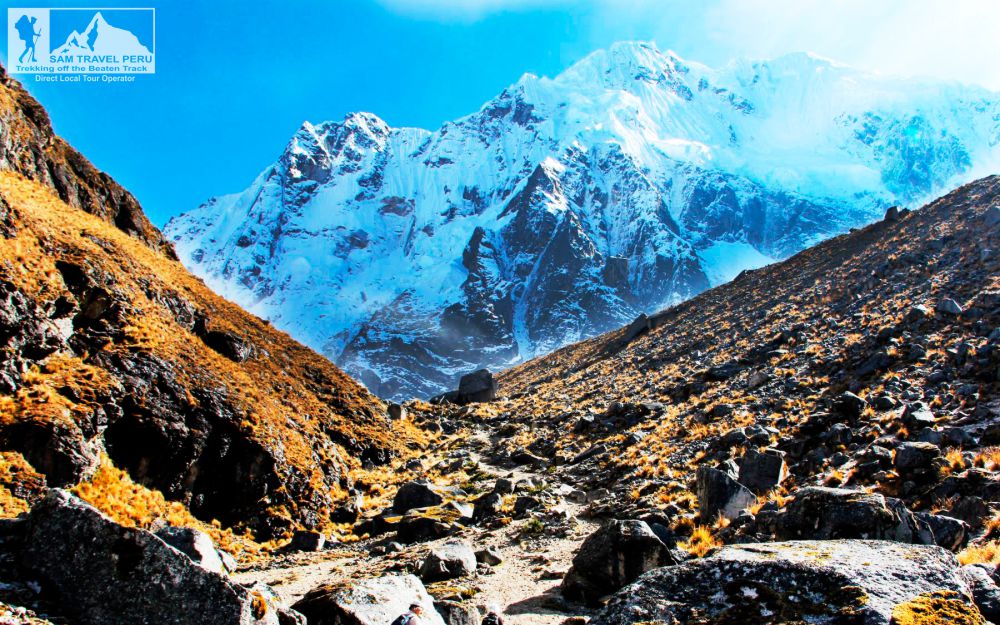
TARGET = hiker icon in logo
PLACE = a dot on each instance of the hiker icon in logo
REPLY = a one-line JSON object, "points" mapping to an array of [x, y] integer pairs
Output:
{"points": [[26, 31]]}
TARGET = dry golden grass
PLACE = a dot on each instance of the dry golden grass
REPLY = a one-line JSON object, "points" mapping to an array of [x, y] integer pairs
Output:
{"points": [[701, 542], [114, 493], [983, 553], [988, 458], [19, 484], [955, 460]]}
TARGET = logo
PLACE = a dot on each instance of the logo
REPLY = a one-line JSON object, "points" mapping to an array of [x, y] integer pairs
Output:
{"points": [[81, 41]]}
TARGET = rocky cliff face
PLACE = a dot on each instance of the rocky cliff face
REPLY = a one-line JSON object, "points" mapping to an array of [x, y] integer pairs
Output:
{"points": [[108, 346], [565, 207]]}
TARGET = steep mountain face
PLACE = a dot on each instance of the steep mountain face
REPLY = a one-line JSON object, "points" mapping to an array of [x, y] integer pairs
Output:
{"points": [[565, 207], [110, 349]]}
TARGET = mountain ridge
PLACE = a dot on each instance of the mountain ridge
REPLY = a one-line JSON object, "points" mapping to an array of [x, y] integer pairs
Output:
{"points": [[652, 177]]}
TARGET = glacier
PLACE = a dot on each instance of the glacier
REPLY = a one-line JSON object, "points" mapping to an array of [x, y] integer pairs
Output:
{"points": [[567, 206]]}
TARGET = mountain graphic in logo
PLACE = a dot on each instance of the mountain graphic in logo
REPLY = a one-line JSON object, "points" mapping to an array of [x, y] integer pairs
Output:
{"points": [[101, 38]]}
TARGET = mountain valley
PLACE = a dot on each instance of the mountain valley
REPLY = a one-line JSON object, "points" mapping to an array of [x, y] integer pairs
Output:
{"points": [[811, 440]]}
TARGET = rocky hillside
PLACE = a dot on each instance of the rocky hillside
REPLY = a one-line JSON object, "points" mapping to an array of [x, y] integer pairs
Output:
{"points": [[109, 347], [849, 392], [564, 207]]}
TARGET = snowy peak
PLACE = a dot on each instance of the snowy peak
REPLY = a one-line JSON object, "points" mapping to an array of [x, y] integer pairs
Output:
{"points": [[623, 64], [566, 206]]}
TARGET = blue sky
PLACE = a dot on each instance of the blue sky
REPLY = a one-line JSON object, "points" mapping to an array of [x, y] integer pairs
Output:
{"points": [[234, 79]]}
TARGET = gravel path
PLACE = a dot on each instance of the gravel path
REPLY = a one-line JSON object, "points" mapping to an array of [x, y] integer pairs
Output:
{"points": [[525, 585]]}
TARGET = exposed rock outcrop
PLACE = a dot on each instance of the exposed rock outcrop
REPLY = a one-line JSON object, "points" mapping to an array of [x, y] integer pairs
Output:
{"points": [[106, 574], [826, 582]]}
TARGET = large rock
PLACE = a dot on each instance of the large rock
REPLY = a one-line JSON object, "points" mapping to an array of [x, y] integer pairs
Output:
{"points": [[417, 494], [427, 524], [718, 493], [763, 471], [101, 573], [950, 533], [612, 557], [820, 513], [841, 582], [984, 589], [916, 459], [457, 612], [451, 560], [487, 507], [475, 387], [370, 602], [478, 386]]}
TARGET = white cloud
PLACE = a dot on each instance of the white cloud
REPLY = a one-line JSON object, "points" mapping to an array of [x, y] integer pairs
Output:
{"points": [[950, 39], [958, 39], [464, 10]]}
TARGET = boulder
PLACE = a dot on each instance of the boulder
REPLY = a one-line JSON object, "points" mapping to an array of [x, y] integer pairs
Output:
{"points": [[992, 217], [850, 405], [504, 486], [918, 415], [369, 602], [915, 457], [478, 386], [417, 494], [916, 314], [457, 612], [718, 493], [196, 545], [396, 411], [611, 557], [763, 471], [451, 560], [721, 373], [489, 557], [102, 573], [950, 533], [307, 540], [821, 513], [429, 524], [228, 344], [639, 326], [948, 306], [488, 506], [820, 582]]}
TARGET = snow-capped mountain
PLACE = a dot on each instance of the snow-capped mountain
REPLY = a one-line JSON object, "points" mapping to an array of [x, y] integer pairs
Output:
{"points": [[564, 207], [101, 38]]}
